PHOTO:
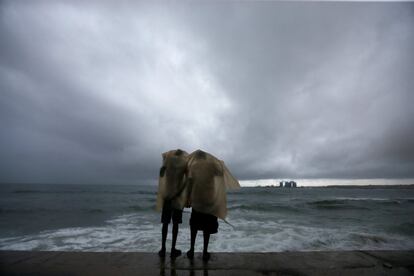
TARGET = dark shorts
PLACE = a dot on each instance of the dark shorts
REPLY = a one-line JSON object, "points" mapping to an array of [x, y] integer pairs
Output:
{"points": [[203, 222], [169, 213]]}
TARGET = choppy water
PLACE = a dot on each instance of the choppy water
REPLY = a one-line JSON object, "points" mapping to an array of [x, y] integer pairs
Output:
{"points": [[122, 218]]}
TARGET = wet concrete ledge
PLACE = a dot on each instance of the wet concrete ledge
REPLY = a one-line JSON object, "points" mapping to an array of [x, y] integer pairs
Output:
{"points": [[280, 263]]}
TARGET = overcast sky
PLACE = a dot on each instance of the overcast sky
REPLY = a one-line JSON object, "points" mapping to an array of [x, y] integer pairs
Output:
{"points": [[94, 93]]}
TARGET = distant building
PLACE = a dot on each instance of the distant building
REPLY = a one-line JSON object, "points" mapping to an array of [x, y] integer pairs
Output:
{"points": [[287, 184]]}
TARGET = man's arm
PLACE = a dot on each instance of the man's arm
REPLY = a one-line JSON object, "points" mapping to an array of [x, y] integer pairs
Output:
{"points": [[162, 171]]}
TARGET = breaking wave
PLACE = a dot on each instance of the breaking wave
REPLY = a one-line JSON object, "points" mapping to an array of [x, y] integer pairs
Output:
{"points": [[137, 233], [95, 218]]}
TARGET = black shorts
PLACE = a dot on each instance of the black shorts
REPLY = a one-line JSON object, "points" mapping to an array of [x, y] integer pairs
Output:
{"points": [[203, 222], [168, 213]]}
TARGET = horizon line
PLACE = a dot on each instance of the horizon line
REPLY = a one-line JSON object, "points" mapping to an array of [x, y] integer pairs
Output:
{"points": [[301, 182]]}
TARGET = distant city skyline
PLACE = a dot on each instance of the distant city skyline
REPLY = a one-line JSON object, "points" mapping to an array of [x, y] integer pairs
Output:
{"points": [[95, 92], [327, 182]]}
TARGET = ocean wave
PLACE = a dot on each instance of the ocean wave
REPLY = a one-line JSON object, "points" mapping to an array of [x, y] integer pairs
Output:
{"points": [[92, 210], [144, 193], [356, 203], [410, 200], [271, 220], [44, 211], [378, 200], [335, 204], [28, 192], [137, 208], [95, 192], [364, 238], [5, 211], [263, 207], [363, 198], [406, 228], [142, 233]]}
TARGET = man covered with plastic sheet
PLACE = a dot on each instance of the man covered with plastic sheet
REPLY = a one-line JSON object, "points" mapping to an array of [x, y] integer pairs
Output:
{"points": [[208, 180], [172, 195]]}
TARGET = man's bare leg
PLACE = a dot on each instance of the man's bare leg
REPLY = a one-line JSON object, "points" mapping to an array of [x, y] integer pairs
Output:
{"points": [[190, 253], [164, 233], [174, 252], [206, 255]]}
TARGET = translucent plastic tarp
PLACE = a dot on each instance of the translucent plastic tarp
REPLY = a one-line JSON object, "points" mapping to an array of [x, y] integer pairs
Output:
{"points": [[208, 181], [172, 181]]}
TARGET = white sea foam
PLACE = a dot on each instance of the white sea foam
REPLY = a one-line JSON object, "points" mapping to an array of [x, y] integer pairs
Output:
{"points": [[137, 233]]}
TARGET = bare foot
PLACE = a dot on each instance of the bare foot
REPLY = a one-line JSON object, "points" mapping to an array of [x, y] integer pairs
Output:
{"points": [[190, 254], [206, 256], [175, 253], [161, 253]]}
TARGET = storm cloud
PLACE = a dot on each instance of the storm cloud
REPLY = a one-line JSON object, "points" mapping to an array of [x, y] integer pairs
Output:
{"points": [[94, 93]]}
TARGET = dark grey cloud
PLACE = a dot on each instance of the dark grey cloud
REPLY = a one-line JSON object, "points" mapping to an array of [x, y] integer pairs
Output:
{"points": [[93, 93]]}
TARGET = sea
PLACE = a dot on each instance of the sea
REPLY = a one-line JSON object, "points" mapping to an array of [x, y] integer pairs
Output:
{"points": [[260, 219]]}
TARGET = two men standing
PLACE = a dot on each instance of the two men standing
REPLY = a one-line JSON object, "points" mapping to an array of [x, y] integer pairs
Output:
{"points": [[200, 181]]}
